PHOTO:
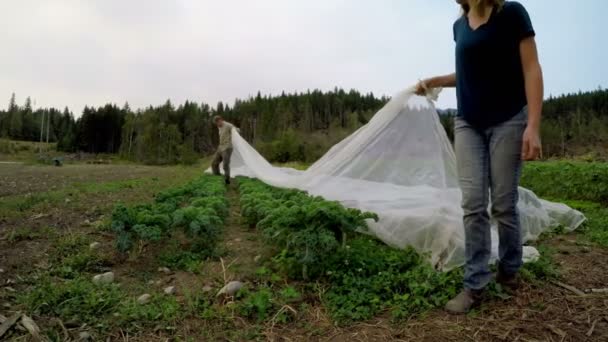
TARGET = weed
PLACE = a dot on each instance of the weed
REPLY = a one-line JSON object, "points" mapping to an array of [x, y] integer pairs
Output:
{"points": [[542, 269], [21, 234], [257, 304], [595, 227], [161, 308], [76, 299]]}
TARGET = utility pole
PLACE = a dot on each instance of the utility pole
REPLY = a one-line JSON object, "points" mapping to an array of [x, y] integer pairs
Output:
{"points": [[48, 124], [41, 128]]}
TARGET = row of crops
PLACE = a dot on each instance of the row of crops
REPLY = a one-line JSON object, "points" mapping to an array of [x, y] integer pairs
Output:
{"points": [[318, 240], [310, 241], [197, 209]]}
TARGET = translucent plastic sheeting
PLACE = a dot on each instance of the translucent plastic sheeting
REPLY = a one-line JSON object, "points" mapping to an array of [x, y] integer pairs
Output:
{"points": [[401, 166]]}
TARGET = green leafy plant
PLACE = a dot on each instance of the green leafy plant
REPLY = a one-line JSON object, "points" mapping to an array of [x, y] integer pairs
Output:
{"points": [[197, 208], [307, 229]]}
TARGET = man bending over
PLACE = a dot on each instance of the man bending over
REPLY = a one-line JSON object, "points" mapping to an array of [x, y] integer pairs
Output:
{"points": [[224, 149]]}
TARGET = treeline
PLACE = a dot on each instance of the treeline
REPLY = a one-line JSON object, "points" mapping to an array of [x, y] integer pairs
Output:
{"points": [[287, 127], [576, 124], [46, 124]]}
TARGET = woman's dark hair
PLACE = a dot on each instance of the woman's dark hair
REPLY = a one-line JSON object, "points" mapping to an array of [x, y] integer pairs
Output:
{"points": [[476, 5]]}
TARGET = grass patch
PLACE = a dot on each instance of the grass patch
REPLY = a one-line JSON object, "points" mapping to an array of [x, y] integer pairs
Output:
{"points": [[77, 300], [26, 233], [595, 228], [294, 165], [567, 179], [542, 269]]}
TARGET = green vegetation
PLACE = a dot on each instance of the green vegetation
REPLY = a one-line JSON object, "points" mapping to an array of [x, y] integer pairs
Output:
{"points": [[595, 228], [567, 180], [198, 209], [368, 277], [307, 230], [289, 127], [581, 185]]}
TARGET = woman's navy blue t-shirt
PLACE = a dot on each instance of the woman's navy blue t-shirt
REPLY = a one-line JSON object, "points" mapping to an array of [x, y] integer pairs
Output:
{"points": [[489, 77]]}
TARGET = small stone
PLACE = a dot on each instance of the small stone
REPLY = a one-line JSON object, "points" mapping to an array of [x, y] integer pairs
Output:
{"points": [[71, 324], [104, 279], [86, 222], [67, 200], [84, 336], [237, 240], [231, 288], [1, 270], [170, 290], [164, 270], [207, 288], [257, 258], [150, 282], [144, 299], [95, 245]]}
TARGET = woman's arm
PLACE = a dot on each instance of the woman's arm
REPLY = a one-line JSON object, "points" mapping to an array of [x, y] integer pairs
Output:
{"points": [[533, 77], [444, 81]]}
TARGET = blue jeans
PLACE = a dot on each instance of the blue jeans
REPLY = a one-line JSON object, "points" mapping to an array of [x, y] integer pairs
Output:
{"points": [[489, 166]]}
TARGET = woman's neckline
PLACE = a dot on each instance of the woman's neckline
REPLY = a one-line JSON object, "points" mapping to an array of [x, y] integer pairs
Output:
{"points": [[466, 16]]}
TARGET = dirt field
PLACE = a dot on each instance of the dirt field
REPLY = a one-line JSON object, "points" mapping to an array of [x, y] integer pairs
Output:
{"points": [[20, 179], [43, 207]]}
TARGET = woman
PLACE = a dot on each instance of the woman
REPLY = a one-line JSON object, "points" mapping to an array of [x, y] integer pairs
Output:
{"points": [[499, 88]]}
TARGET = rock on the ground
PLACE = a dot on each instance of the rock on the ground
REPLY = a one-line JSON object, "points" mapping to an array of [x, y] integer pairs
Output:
{"points": [[104, 279], [170, 290], [144, 299], [207, 288], [94, 246], [231, 288], [164, 270], [237, 240], [1, 270], [257, 258], [72, 323], [85, 336], [151, 282]]}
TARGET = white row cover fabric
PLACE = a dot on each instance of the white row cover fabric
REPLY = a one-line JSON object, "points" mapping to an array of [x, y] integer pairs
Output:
{"points": [[401, 166]]}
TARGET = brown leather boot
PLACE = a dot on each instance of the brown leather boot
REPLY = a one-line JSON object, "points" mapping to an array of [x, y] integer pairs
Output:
{"points": [[509, 282], [464, 301]]}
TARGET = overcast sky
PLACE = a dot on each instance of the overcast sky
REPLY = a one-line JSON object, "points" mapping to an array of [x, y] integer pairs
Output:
{"points": [[74, 52]]}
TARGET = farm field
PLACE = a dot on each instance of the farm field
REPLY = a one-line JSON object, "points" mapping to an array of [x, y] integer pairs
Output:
{"points": [[173, 238]]}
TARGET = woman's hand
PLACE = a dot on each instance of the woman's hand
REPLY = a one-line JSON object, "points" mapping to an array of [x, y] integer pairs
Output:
{"points": [[531, 146], [444, 81], [421, 88]]}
